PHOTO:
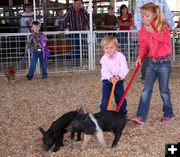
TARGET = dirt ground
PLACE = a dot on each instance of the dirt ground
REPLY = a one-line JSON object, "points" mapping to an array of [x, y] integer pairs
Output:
{"points": [[26, 105]]}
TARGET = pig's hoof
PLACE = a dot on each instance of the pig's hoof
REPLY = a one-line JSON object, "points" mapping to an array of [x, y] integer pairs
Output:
{"points": [[113, 146], [78, 139], [55, 149], [61, 144]]}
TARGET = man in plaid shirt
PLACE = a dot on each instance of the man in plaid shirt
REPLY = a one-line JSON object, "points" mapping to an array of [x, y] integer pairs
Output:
{"points": [[76, 19]]}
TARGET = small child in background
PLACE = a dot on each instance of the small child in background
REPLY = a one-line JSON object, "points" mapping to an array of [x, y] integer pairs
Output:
{"points": [[38, 46], [155, 36], [113, 70]]}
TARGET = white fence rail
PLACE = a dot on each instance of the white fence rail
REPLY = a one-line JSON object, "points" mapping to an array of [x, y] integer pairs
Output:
{"points": [[71, 51]]}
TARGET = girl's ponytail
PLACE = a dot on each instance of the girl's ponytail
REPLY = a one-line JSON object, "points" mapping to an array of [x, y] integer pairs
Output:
{"points": [[160, 22]]}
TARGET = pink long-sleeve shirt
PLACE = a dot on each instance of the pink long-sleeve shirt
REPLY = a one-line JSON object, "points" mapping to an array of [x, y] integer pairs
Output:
{"points": [[159, 44], [115, 65]]}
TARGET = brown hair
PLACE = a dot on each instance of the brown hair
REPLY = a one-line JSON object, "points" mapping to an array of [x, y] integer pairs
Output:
{"points": [[108, 39], [160, 22], [36, 23]]}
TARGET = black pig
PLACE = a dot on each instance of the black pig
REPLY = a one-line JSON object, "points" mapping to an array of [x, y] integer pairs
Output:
{"points": [[96, 124], [54, 135]]}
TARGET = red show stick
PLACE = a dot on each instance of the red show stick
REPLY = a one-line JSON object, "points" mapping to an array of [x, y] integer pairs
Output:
{"points": [[127, 88]]}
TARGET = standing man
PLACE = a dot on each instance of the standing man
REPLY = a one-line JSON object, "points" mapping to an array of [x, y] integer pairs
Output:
{"points": [[26, 19], [109, 21], [76, 19], [138, 23]]}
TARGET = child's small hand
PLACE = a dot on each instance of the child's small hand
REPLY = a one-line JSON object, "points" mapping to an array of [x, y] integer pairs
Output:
{"points": [[117, 78], [113, 79]]}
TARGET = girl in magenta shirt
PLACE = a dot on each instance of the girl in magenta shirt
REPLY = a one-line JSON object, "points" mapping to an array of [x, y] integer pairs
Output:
{"points": [[155, 37], [113, 70]]}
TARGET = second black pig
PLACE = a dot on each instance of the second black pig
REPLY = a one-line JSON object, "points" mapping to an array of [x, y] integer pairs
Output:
{"points": [[54, 135], [97, 123]]}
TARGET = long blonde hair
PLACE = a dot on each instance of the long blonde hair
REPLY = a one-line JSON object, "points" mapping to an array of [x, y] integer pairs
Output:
{"points": [[160, 22]]}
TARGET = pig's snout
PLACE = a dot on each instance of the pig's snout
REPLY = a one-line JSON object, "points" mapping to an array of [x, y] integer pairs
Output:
{"points": [[45, 147]]}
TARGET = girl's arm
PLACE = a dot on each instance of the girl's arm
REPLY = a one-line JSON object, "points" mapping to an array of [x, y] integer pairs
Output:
{"points": [[125, 23], [143, 47]]}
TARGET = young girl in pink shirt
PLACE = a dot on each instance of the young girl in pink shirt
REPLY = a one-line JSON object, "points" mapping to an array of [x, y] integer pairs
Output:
{"points": [[113, 70], [155, 37]]}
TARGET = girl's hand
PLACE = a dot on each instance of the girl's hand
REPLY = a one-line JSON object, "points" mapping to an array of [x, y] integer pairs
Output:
{"points": [[138, 61], [149, 28]]}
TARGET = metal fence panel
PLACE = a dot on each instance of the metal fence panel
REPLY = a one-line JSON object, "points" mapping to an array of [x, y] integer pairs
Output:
{"points": [[72, 51], [69, 51], [128, 44]]}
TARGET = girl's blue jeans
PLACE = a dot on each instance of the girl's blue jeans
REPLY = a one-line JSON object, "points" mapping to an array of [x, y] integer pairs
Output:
{"points": [[161, 72], [118, 92], [43, 64]]}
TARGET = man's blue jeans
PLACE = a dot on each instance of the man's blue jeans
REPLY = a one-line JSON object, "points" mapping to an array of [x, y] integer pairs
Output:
{"points": [[43, 64], [75, 41], [123, 42], [160, 71], [118, 92]]}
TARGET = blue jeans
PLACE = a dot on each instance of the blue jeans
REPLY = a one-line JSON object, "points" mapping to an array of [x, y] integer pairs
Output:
{"points": [[43, 64], [160, 71], [75, 41], [123, 42], [143, 68], [118, 92]]}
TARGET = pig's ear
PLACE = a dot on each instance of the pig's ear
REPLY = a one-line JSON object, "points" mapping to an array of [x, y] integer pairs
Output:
{"points": [[81, 111], [42, 130]]}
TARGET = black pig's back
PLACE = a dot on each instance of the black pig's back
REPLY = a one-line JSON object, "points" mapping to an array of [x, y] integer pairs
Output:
{"points": [[62, 122], [108, 120]]}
